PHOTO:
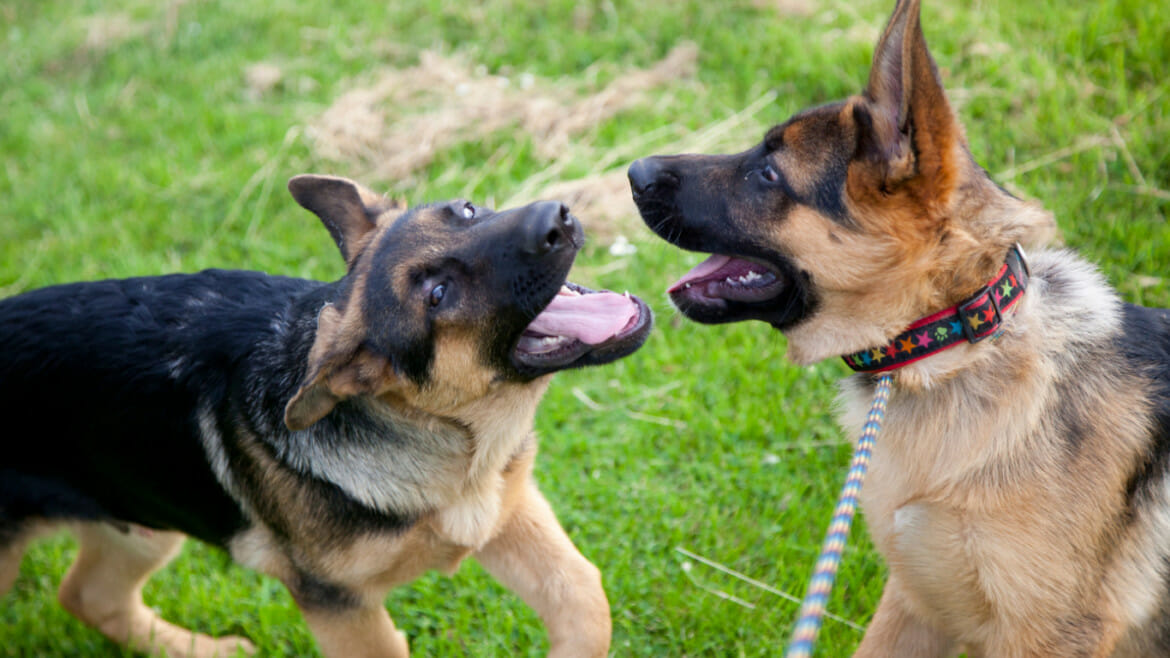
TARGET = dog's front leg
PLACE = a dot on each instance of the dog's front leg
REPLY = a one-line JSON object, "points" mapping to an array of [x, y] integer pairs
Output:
{"points": [[532, 556], [895, 631], [364, 631]]}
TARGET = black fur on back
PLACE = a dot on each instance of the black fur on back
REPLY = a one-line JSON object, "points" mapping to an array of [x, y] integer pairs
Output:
{"points": [[107, 379], [1145, 345]]}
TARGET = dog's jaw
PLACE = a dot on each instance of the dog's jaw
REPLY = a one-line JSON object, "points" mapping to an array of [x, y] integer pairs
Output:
{"points": [[741, 279], [723, 278], [582, 327], [725, 289]]}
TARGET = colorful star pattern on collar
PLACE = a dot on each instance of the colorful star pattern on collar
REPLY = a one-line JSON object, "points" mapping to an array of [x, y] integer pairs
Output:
{"points": [[979, 317]]}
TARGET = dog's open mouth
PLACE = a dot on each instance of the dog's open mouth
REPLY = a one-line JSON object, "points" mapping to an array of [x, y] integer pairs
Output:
{"points": [[732, 288], [581, 327], [721, 279]]}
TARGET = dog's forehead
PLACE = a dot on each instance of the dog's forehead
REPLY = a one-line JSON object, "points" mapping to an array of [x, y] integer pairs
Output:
{"points": [[809, 129], [426, 221], [422, 233]]}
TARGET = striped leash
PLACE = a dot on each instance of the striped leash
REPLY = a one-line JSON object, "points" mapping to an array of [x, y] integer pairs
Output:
{"points": [[812, 610]]}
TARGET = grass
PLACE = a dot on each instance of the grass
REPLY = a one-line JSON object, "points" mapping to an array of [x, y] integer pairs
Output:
{"points": [[131, 143]]}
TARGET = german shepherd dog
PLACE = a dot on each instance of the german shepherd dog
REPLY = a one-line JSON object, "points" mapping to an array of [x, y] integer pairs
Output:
{"points": [[1019, 490], [341, 437]]}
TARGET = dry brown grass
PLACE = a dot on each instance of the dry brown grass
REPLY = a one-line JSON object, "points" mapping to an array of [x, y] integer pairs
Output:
{"points": [[106, 31], [261, 78], [393, 126], [390, 126]]}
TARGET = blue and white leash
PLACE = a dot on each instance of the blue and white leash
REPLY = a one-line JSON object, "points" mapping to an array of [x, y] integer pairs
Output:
{"points": [[812, 610]]}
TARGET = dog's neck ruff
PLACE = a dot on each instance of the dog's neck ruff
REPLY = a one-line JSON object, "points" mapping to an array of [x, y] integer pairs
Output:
{"points": [[979, 317]]}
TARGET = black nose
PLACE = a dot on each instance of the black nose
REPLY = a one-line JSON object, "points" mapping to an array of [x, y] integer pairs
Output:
{"points": [[550, 227], [647, 174]]}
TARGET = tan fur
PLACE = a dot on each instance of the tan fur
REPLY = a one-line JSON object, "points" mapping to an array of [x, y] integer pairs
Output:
{"points": [[104, 589], [995, 535], [534, 558], [524, 547], [460, 379], [367, 632]]}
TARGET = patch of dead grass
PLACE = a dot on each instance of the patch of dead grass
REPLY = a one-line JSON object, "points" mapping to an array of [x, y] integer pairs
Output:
{"points": [[104, 32], [392, 127]]}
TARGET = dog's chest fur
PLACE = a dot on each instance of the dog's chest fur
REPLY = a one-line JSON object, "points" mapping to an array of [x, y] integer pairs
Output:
{"points": [[422, 489], [441, 475], [975, 470], [422, 467], [457, 489]]}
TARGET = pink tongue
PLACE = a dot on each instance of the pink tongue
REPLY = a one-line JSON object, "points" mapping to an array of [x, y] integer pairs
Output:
{"points": [[591, 319], [705, 268]]}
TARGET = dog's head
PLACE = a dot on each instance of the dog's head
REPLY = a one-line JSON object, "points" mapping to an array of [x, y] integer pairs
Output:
{"points": [[444, 301], [848, 221]]}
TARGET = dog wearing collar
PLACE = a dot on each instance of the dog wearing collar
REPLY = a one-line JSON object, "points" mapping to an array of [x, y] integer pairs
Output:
{"points": [[341, 437], [1019, 492]]}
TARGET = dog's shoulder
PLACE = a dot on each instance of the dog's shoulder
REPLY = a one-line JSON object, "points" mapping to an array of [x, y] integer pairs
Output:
{"points": [[1072, 305], [1081, 306], [1145, 345], [1147, 336], [1112, 358]]}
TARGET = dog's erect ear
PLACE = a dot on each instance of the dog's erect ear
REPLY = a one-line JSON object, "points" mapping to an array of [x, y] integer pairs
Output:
{"points": [[909, 123], [346, 208], [338, 368]]}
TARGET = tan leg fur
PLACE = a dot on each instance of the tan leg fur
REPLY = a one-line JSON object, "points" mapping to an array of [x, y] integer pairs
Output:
{"points": [[104, 589], [366, 632], [533, 557], [894, 631]]}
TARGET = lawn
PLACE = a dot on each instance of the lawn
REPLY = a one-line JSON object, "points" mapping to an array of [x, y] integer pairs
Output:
{"points": [[141, 137]]}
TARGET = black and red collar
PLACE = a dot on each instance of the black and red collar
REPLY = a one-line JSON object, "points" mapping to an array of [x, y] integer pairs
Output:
{"points": [[979, 317]]}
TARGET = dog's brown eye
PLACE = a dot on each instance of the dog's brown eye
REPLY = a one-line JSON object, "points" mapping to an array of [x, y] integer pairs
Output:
{"points": [[468, 211], [769, 174], [437, 294]]}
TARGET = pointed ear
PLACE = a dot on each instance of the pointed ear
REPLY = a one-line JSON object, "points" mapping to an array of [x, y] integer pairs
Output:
{"points": [[908, 113], [339, 367], [346, 208]]}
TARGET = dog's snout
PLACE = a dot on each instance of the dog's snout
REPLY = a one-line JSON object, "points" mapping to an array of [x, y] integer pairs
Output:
{"points": [[647, 174], [550, 228]]}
